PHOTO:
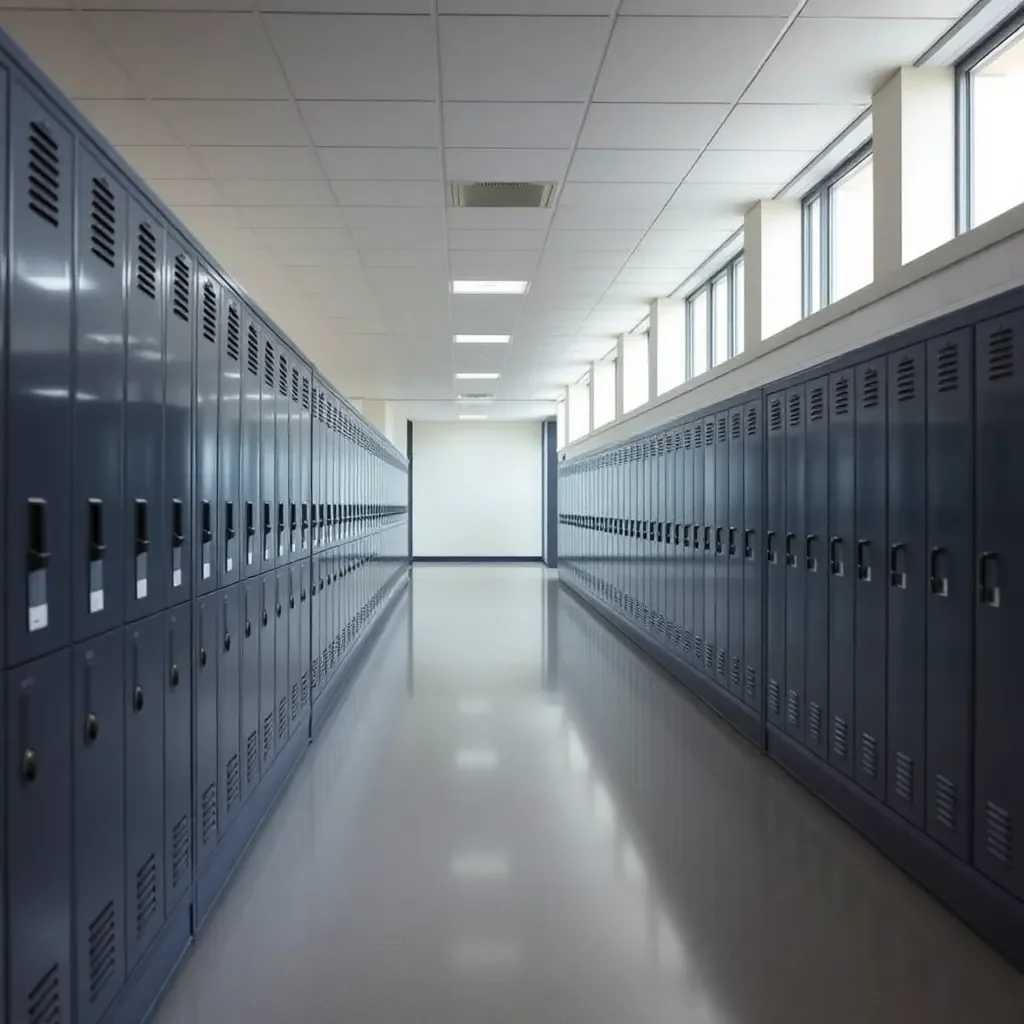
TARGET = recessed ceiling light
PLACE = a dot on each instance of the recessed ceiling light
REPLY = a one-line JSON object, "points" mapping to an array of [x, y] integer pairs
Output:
{"points": [[477, 399], [477, 376], [489, 287], [472, 416], [482, 339]]}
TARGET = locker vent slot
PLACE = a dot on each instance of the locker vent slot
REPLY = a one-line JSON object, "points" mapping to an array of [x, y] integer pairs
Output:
{"points": [[734, 673], [709, 434], [305, 393], [44, 999], [145, 266], [775, 415], [774, 698], [103, 222], [145, 895], [268, 735], [722, 435], [295, 385], [817, 404], [182, 291], [720, 663], [282, 376], [793, 708], [687, 439], [268, 364], [870, 397], [794, 410], [209, 814], [869, 755], [999, 833], [252, 757], [1000, 354], [736, 426], [252, 358], [841, 397], [698, 437], [905, 385], [688, 642], [209, 312], [751, 422], [840, 741], [305, 688], [814, 721], [905, 777], [233, 783], [234, 339], [709, 657], [751, 682], [295, 700], [180, 852], [102, 950], [43, 174], [949, 368], [945, 802]]}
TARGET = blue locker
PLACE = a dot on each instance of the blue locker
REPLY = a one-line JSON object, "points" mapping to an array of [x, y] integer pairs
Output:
{"points": [[97, 579], [294, 544], [753, 553], [707, 576], [207, 638], [267, 620], [281, 443], [250, 686], [305, 468], [734, 547], [268, 441], [815, 565], [795, 562], [721, 559], [229, 711], [250, 493], [229, 440], [207, 413], [775, 641], [681, 534], [177, 755]]}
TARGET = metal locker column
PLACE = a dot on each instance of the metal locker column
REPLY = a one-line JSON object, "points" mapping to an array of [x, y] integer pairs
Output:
{"points": [[97, 581], [229, 440], [689, 531], [144, 783], [721, 540], [305, 470], [38, 837], [699, 517], [177, 479], [950, 590], [229, 711], [753, 553], [250, 686], [999, 696], [907, 561], [207, 639], [281, 456], [775, 642], [680, 534], [314, 629], [177, 754], [293, 613], [38, 542], [871, 559], [708, 546], [268, 470], [305, 595], [294, 510], [814, 564], [209, 555], [794, 548], [98, 823], [281, 681], [250, 513], [268, 749], [734, 546]]}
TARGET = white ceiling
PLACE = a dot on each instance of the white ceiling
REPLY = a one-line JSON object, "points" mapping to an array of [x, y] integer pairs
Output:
{"points": [[307, 144]]}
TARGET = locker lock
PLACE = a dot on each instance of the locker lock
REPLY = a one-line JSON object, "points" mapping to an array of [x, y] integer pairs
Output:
{"points": [[92, 728], [302, 594], [264, 616], [248, 628], [175, 676], [202, 657], [29, 765], [278, 609], [138, 699], [227, 641], [291, 600]]}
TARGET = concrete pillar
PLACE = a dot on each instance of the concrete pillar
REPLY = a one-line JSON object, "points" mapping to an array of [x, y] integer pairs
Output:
{"points": [[666, 354], [773, 268], [914, 158]]}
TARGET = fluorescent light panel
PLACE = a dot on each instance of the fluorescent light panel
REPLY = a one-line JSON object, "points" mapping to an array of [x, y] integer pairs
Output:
{"points": [[482, 339], [472, 416], [489, 287], [477, 376]]}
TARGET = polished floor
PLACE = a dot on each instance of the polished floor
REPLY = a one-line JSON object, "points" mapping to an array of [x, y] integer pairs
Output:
{"points": [[514, 818]]}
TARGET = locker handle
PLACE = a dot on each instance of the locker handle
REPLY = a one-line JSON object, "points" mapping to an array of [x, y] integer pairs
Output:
{"points": [[141, 526], [897, 578], [175, 677], [266, 518], [939, 584], [250, 526], [718, 540], [248, 628], [675, 538], [207, 528], [227, 641], [864, 560], [96, 545], [988, 579], [92, 728], [809, 560], [291, 600], [835, 545], [790, 556], [265, 616], [770, 551], [38, 555], [707, 538], [29, 765], [138, 699], [686, 535], [748, 544], [229, 520], [177, 523]]}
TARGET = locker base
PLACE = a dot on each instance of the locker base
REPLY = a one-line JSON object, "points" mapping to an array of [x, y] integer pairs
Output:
{"points": [[993, 914], [739, 716], [155, 971], [213, 877]]}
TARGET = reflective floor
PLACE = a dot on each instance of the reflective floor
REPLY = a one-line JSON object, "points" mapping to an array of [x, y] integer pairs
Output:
{"points": [[514, 818]]}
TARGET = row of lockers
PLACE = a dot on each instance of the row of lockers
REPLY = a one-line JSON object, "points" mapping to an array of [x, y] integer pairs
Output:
{"points": [[851, 538]]}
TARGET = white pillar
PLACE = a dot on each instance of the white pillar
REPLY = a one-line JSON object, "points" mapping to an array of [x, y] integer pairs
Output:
{"points": [[578, 412], [666, 350], [602, 375], [914, 149], [773, 268], [620, 371]]}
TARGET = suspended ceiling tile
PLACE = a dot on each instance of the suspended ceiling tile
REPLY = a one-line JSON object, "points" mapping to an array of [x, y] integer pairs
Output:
{"points": [[632, 165], [483, 220], [128, 122], [585, 258], [696, 218], [495, 238], [594, 241], [270, 163], [603, 195], [500, 265], [234, 122], [716, 197], [587, 218], [323, 239], [413, 218], [186, 192], [506, 164], [397, 238], [248, 192], [389, 164], [722, 8], [725, 166], [367, 123], [784, 126], [343, 6], [291, 216], [651, 125], [388, 193], [512, 125], [560, 8], [163, 161], [400, 257], [886, 8]]}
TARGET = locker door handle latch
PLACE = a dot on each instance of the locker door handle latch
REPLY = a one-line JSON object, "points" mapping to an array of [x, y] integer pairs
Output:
{"points": [[29, 765], [96, 551], [988, 579], [864, 560], [229, 536], [293, 524], [790, 554], [177, 539], [250, 532], [897, 566], [732, 541], [809, 558], [835, 556], [770, 552], [206, 511], [718, 540], [748, 544], [141, 549], [938, 581], [280, 529], [266, 531]]}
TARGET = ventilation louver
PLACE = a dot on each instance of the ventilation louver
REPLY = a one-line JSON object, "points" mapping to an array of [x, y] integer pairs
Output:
{"points": [[520, 195]]}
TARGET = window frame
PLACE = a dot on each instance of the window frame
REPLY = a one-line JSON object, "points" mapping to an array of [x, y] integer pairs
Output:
{"points": [[822, 193], [726, 272]]}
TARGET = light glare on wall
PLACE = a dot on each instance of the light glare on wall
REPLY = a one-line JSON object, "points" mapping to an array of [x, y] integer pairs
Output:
{"points": [[482, 339], [489, 287]]}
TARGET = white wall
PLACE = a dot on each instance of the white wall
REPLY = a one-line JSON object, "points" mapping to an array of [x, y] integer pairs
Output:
{"points": [[477, 490]]}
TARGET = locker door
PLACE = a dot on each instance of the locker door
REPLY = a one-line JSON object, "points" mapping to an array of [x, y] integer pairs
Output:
{"points": [[793, 545], [178, 391], [722, 521], [229, 468], [734, 546], [293, 613], [281, 680], [871, 560], [708, 545], [208, 644], [689, 533], [268, 470], [144, 783], [316, 515], [177, 754], [999, 697], [699, 515], [314, 628], [814, 564], [38, 543], [907, 561], [294, 509], [267, 697], [281, 456], [774, 551], [753, 553], [305, 595], [250, 686], [250, 511], [229, 709], [950, 590], [207, 512], [330, 463], [97, 601], [98, 823], [38, 839], [305, 469]]}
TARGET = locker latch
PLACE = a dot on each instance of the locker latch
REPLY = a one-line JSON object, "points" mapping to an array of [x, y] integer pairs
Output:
{"points": [[864, 560], [835, 556], [988, 579], [718, 540], [38, 561], [897, 566], [266, 531], [686, 535], [141, 549], [748, 544], [732, 541], [177, 539], [250, 532], [938, 581], [293, 524], [207, 539], [305, 524], [229, 536], [707, 538], [770, 552], [280, 529], [810, 561], [790, 553], [96, 552]]}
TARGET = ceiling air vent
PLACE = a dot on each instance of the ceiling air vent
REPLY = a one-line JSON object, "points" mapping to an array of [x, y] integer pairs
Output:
{"points": [[521, 195]]}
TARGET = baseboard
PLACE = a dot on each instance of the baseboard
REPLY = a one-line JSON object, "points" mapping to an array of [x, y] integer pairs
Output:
{"points": [[478, 559]]}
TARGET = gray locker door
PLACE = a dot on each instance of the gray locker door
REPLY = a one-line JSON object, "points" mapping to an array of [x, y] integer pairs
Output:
{"points": [[39, 366], [305, 469], [144, 783], [907, 573], [999, 696], [698, 544], [734, 548], [305, 595], [282, 689], [268, 749], [316, 462], [3, 496], [229, 711], [250, 686], [753, 553], [775, 547], [950, 600], [689, 540], [268, 434], [250, 512], [293, 612], [795, 574], [144, 527], [39, 839], [314, 628], [294, 510], [332, 611], [333, 457], [98, 824], [178, 419], [177, 754], [97, 602], [281, 445], [814, 564], [722, 562], [708, 545], [229, 438], [208, 557], [871, 559], [207, 640]]}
